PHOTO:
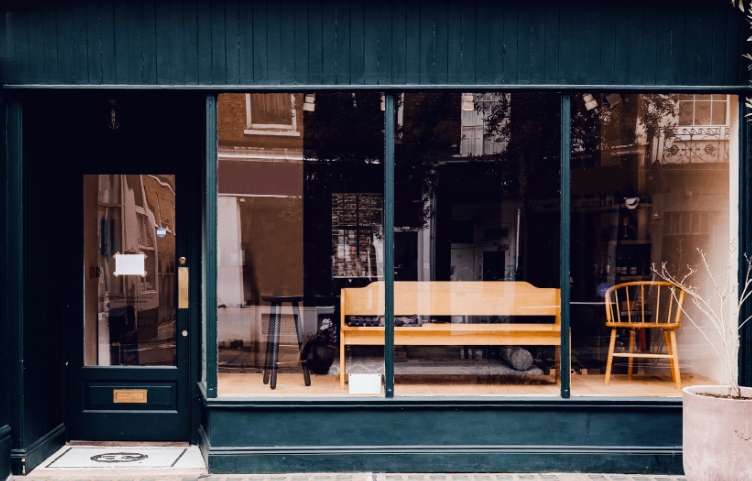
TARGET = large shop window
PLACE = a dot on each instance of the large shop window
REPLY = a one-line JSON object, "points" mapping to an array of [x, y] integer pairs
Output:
{"points": [[653, 182], [300, 215], [476, 251], [477, 234]]}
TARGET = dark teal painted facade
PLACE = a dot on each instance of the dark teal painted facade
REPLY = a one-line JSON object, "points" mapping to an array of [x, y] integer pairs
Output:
{"points": [[392, 45], [5, 432], [356, 42]]}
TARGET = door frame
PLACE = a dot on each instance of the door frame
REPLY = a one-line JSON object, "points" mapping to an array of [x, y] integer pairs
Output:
{"points": [[184, 118]]}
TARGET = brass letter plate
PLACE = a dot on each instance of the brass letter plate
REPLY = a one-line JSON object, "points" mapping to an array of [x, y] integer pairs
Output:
{"points": [[182, 288], [130, 396]]}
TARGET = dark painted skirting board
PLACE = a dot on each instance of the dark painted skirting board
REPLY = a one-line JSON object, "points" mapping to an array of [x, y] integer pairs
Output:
{"points": [[4, 452], [505, 435], [38, 451]]}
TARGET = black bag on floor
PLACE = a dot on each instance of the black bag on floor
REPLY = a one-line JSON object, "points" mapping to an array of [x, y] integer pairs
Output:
{"points": [[317, 353]]}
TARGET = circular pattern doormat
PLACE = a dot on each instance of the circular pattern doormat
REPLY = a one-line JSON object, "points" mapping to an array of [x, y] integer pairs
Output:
{"points": [[118, 457]]}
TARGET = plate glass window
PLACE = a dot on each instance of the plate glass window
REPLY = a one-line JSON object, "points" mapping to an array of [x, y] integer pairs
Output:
{"points": [[654, 209], [129, 270]]}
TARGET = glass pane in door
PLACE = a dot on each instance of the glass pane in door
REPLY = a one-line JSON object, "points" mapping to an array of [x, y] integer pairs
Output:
{"points": [[129, 270]]}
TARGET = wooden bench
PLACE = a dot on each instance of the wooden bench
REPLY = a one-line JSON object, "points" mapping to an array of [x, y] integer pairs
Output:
{"points": [[440, 298]]}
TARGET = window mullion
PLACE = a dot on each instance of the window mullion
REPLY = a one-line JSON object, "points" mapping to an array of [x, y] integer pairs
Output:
{"points": [[389, 246]]}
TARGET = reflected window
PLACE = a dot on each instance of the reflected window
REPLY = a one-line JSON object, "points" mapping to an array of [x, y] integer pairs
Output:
{"points": [[271, 114]]}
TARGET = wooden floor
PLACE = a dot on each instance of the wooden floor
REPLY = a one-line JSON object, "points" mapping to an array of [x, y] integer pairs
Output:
{"points": [[290, 384]]}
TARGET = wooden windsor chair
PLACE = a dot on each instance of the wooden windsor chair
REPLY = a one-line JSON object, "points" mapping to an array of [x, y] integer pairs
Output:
{"points": [[645, 305]]}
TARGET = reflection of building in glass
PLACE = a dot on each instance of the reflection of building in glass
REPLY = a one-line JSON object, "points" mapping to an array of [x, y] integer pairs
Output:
{"points": [[130, 317]]}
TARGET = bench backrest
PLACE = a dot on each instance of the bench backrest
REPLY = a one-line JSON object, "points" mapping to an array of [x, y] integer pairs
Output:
{"points": [[444, 298]]}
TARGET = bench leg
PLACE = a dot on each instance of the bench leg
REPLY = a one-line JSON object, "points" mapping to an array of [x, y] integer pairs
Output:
{"points": [[342, 360]]}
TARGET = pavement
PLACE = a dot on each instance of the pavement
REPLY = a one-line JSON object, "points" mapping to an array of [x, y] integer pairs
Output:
{"points": [[170, 475], [179, 462]]}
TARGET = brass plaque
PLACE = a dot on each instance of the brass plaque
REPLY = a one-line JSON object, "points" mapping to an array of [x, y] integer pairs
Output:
{"points": [[182, 288], [131, 396]]}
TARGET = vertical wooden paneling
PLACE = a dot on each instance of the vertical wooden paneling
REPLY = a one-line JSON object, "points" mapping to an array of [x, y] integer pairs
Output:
{"points": [[330, 37], [135, 45], [218, 47], [580, 46], [232, 41], [412, 40], [608, 60], [165, 68], [34, 29], [371, 17], [511, 50], [357, 43], [426, 50], [649, 58], [454, 42], [469, 32], [49, 29], [736, 42], [660, 73], [679, 43], [593, 26], [245, 43], [93, 42], [717, 42], [385, 42], [190, 41], [149, 32], [693, 46], [566, 46], [64, 42], [300, 11], [496, 40], [342, 50], [482, 50], [315, 43], [552, 42], [634, 16], [440, 39], [537, 45], [107, 42], [274, 34]]}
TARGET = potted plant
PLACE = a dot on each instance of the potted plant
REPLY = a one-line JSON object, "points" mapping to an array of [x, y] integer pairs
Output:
{"points": [[717, 419]]}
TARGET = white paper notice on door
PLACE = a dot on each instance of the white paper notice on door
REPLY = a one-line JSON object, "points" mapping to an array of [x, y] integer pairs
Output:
{"points": [[130, 264]]}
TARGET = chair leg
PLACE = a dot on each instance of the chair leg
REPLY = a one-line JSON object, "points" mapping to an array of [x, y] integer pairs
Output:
{"points": [[631, 350], [670, 352], [557, 364], [610, 359], [675, 353]]}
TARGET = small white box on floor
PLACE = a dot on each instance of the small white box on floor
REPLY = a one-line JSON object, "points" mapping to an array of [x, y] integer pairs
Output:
{"points": [[365, 383]]}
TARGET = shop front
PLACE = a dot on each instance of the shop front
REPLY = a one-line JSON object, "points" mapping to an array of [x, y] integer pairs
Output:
{"points": [[352, 237]]}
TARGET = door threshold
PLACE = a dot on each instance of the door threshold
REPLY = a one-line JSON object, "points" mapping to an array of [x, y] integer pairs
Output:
{"points": [[97, 458]]}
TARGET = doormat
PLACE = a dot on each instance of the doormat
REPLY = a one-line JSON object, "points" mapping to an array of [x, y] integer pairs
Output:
{"points": [[120, 457]]}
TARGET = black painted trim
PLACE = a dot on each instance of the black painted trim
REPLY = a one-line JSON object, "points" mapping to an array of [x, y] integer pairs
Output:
{"points": [[428, 459], [23, 460], [564, 243], [295, 88], [401, 403], [5, 442], [389, 114], [745, 239], [209, 248], [14, 265]]}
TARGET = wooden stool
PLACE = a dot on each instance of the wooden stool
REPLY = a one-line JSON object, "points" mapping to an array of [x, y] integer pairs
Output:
{"points": [[272, 339]]}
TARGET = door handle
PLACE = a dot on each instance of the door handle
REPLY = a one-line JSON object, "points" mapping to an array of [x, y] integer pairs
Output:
{"points": [[182, 288]]}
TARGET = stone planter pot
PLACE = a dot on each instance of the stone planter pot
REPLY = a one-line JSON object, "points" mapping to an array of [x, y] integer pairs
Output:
{"points": [[717, 435]]}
